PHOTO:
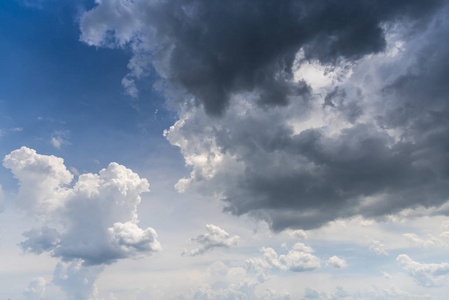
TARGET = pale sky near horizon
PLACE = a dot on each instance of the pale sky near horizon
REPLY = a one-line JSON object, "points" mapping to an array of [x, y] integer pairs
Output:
{"points": [[240, 149]]}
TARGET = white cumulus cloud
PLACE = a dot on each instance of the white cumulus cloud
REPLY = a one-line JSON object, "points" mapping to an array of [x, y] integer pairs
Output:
{"points": [[298, 259], [424, 274], [215, 237], [337, 262], [90, 222]]}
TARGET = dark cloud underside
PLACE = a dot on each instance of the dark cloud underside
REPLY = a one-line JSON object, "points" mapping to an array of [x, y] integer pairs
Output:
{"points": [[214, 49]]}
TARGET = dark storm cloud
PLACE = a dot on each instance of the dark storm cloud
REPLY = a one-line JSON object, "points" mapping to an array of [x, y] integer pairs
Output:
{"points": [[393, 151], [392, 154], [307, 179], [215, 49]]}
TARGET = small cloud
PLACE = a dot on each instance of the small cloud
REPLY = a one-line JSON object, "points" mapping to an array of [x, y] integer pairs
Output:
{"points": [[298, 259], [337, 262], [60, 138], [377, 247], [297, 234], [415, 239], [130, 86], [215, 237]]}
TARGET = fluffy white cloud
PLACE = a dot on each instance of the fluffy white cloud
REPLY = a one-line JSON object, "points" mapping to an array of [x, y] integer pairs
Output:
{"points": [[298, 259], [92, 222], [36, 289], [425, 274], [43, 181], [337, 262], [215, 237]]}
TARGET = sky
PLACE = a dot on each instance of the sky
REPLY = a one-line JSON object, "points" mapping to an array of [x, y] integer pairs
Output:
{"points": [[239, 149]]}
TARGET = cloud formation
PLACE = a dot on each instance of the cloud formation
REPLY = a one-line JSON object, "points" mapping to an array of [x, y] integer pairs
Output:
{"points": [[215, 237], [60, 138], [372, 144], [214, 49], [337, 262], [425, 274], [298, 259], [77, 280], [370, 139], [93, 222], [377, 247], [36, 289]]}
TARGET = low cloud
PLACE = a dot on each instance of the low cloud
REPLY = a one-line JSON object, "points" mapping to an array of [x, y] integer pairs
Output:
{"points": [[215, 237], [375, 292], [36, 289], [377, 247], [337, 262], [297, 234], [77, 280], [298, 259], [243, 290], [424, 274]]}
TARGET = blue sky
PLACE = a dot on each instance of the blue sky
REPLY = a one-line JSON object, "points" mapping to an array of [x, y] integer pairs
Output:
{"points": [[223, 150]]}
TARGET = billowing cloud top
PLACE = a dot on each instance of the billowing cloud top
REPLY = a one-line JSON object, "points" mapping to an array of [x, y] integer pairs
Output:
{"points": [[95, 220]]}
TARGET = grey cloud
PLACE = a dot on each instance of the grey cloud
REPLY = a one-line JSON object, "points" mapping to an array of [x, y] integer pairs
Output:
{"points": [[39, 240], [297, 170], [216, 49]]}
